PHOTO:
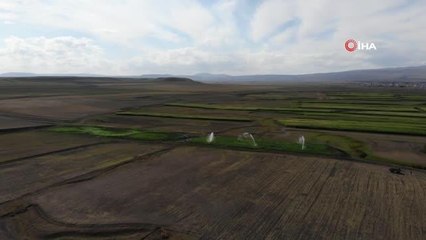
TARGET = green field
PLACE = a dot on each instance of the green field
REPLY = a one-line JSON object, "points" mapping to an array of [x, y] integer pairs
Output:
{"points": [[371, 112], [182, 116], [353, 125], [267, 145], [311, 108], [248, 108], [355, 148], [410, 119], [118, 133], [220, 141]]}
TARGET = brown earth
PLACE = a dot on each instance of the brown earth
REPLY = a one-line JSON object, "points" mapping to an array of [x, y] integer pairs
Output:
{"points": [[200, 195], [67, 186]]}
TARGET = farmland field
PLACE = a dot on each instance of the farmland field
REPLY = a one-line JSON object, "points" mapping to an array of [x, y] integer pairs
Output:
{"points": [[105, 158]]}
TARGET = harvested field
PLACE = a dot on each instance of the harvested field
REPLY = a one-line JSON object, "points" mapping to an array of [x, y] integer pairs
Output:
{"points": [[22, 145], [191, 126], [8, 123], [199, 195], [22, 177]]}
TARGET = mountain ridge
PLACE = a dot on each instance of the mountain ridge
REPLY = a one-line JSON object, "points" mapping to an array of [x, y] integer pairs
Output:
{"points": [[414, 73]]}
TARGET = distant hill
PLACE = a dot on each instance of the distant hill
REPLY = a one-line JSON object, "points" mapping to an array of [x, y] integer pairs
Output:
{"points": [[401, 74], [175, 80], [25, 74], [18, 74], [386, 74]]}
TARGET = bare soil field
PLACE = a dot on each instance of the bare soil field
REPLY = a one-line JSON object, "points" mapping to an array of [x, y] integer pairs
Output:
{"points": [[70, 107], [22, 177], [199, 195], [10, 123], [165, 124], [106, 158], [24, 145]]}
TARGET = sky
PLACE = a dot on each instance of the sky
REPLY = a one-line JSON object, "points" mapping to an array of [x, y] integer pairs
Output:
{"points": [[132, 37]]}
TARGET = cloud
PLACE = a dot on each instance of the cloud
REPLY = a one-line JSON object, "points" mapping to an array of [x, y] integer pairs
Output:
{"points": [[223, 36], [269, 16], [181, 61], [58, 55], [118, 21]]}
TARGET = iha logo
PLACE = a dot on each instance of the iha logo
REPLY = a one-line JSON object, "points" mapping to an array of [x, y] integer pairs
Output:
{"points": [[352, 45]]}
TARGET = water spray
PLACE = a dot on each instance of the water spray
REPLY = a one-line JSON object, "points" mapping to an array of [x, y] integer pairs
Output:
{"points": [[302, 142], [249, 136], [210, 137]]}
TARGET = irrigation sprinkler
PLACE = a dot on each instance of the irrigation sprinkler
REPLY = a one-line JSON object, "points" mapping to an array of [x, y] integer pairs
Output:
{"points": [[302, 142]]}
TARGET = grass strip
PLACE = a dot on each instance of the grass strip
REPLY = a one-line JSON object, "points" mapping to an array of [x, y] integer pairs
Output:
{"points": [[118, 133], [352, 125], [241, 108], [317, 108], [267, 145], [180, 116]]}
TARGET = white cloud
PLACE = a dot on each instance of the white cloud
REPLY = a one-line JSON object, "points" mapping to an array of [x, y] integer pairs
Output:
{"points": [[186, 36], [44, 55], [180, 61], [119, 21], [270, 15], [192, 19]]}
